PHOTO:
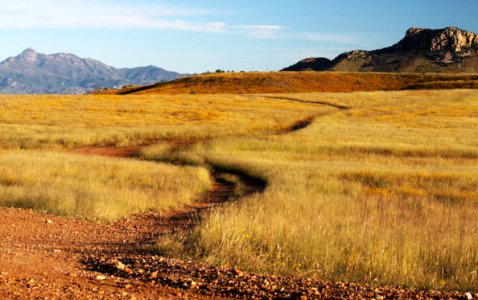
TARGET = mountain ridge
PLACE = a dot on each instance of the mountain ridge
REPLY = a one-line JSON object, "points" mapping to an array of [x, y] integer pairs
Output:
{"points": [[31, 72], [447, 50]]}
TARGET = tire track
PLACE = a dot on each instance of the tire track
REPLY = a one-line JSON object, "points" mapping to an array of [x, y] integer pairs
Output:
{"points": [[338, 106]]}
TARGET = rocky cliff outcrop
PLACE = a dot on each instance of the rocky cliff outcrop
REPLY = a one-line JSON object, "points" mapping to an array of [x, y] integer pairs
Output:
{"points": [[421, 50]]}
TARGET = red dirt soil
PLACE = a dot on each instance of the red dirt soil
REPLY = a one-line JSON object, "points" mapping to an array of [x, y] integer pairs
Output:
{"points": [[41, 254]]}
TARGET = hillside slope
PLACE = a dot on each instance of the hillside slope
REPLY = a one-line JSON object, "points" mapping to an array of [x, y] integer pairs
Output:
{"points": [[302, 82], [448, 50]]}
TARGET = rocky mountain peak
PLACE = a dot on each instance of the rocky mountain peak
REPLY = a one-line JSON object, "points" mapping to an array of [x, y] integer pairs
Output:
{"points": [[66, 73], [29, 55], [450, 39]]}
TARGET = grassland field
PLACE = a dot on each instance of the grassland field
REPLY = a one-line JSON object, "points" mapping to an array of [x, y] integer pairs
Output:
{"points": [[384, 192]]}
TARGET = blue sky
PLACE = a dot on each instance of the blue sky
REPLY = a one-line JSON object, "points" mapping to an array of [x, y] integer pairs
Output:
{"points": [[201, 35]]}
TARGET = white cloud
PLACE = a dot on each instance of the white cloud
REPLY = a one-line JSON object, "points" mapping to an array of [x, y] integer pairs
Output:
{"points": [[31, 14], [261, 31]]}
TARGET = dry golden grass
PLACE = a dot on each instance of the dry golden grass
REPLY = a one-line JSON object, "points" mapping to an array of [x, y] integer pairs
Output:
{"points": [[383, 193], [95, 188], [304, 82], [106, 189], [74, 121]]}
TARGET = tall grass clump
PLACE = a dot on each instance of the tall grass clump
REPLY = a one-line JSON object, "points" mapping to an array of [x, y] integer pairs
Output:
{"points": [[95, 188]]}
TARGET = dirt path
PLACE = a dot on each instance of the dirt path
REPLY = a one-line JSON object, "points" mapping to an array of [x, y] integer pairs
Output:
{"points": [[51, 257], [48, 256], [338, 106]]}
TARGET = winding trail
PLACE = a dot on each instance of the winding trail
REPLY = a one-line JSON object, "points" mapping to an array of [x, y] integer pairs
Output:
{"points": [[223, 190], [47, 256]]}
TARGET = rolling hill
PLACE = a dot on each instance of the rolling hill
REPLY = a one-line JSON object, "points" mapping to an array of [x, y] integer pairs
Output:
{"points": [[302, 82]]}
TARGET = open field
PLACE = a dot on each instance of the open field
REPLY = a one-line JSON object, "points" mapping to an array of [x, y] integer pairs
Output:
{"points": [[368, 187], [49, 121], [385, 192], [108, 189], [303, 82]]}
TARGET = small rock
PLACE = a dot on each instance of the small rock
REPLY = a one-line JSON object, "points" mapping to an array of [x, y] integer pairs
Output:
{"points": [[154, 275], [100, 277], [56, 250], [49, 221], [468, 296], [120, 266], [193, 283]]}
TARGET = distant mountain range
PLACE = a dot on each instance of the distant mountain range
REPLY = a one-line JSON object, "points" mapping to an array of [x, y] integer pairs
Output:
{"points": [[64, 73], [448, 50]]}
